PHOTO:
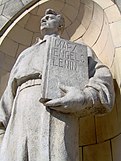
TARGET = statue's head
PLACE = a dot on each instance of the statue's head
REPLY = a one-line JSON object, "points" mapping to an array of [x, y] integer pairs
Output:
{"points": [[52, 23]]}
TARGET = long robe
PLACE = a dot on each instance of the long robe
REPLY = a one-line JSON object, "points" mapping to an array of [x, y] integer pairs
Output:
{"points": [[36, 133]]}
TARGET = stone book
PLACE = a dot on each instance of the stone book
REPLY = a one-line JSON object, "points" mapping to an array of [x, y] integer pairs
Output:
{"points": [[65, 63]]}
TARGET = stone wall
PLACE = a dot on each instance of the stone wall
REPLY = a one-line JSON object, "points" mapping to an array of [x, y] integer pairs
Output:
{"points": [[96, 23]]}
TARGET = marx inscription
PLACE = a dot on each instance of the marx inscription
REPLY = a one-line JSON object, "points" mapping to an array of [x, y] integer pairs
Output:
{"points": [[65, 55], [66, 63]]}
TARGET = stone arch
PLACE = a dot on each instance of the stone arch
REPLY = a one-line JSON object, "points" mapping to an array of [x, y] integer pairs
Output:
{"points": [[79, 28], [75, 25], [10, 9]]}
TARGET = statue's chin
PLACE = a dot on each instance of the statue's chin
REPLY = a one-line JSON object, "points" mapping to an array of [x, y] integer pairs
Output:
{"points": [[48, 31], [44, 31]]}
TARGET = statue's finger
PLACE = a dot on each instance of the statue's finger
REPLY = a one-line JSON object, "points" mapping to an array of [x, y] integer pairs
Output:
{"points": [[54, 102], [64, 88], [60, 109]]}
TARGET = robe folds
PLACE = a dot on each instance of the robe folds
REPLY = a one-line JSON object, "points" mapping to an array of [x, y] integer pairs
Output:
{"points": [[33, 131]]}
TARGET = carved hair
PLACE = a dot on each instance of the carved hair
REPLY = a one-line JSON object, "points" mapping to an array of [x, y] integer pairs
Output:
{"points": [[60, 17]]}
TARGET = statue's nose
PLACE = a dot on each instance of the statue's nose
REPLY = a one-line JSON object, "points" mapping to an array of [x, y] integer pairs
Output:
{"points": [[43, 20]]}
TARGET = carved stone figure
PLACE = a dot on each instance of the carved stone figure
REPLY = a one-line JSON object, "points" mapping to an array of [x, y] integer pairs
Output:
{"points": [[48, 131]]}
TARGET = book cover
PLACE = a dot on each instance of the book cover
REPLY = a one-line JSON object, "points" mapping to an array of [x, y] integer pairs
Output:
{"points": [[65, 63]]}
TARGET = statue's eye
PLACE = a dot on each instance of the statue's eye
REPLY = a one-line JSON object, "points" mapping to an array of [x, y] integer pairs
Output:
{"points": [[47, 17], [51, 17]]}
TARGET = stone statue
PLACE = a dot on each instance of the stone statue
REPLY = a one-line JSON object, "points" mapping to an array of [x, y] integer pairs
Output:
{"points": [[48, 131]]}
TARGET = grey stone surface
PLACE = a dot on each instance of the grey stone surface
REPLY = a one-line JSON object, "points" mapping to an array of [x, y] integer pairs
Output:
{"points": [[118, 2], [8, 9], [48, 131], [15, 6], [66, 64], [4, 1], [25, 2], [12, 7], [3, 21], [1, 9]]}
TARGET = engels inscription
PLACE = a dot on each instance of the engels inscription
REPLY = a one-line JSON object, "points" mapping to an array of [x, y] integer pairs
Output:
{"points": [[65, 54], [66, 63]]}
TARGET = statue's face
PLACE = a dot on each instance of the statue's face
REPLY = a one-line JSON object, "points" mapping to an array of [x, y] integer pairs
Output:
{"points": [[49, 24]]}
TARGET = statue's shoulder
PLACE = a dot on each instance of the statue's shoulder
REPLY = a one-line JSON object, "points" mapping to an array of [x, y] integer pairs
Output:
{"points": [[90, 52], [89, 49], [28, 49]]}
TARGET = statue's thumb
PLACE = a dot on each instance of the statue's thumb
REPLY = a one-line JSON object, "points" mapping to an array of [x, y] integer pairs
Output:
{"points": [[64, 88]]}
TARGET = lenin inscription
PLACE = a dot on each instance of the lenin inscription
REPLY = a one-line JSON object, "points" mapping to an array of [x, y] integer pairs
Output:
{"points": [[65, 63], [64, 54]]}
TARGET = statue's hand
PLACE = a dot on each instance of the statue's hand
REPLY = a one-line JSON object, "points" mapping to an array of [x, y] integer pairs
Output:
{"points": [[71, 102]]}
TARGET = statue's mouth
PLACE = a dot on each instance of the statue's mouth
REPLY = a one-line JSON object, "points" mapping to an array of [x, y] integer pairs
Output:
{"points": [[43, 23]]}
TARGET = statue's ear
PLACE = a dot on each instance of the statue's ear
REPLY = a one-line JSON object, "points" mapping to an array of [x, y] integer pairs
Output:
{"points": [[59, 17], [61, 23], [60, 26]]}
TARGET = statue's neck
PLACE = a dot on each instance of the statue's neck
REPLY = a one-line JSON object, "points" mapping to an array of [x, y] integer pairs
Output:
{"points": [[52, 35]]}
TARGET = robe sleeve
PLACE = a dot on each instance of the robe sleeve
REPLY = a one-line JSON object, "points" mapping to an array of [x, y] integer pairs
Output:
{"points": [[99, 92], [16, 76], [6, 102]]}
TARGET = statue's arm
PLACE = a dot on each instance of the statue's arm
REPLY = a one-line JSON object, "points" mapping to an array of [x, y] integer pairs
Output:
{"points": [[6, 101], [6, 105], [100, 88], [5, 110]]}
